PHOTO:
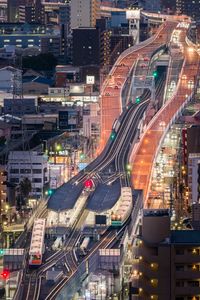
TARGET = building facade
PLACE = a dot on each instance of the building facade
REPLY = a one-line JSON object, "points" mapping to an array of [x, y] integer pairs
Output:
{"points": [[84, 13], [194, 177], [166, 263], [11, 80], [190, 8], [31, 165]]}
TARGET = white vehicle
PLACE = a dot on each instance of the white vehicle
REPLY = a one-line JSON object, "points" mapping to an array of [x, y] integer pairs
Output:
{"points": [[173, 84], [116, 125], [57, 244], [37, 246], [85, 244], [190, 84]]}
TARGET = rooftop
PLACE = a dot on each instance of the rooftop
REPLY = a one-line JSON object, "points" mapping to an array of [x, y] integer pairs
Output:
{"points": [[104, 197], [65, 197], [185, 237]]}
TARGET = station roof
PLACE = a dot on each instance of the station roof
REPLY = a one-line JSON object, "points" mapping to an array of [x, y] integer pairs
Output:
{"points": [[65, 197], [104, 197]]}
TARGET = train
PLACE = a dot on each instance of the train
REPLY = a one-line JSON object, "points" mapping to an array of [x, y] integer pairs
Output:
{"points": [[37, 246], [119, 217], [84, 245]]}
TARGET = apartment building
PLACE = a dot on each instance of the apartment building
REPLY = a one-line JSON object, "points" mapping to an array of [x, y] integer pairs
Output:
{"points": [[166, 263], [194, 177], [84, 13]]}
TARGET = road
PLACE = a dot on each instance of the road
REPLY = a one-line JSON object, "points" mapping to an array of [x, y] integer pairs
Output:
{"points": [[143, 159], [111, 106]]}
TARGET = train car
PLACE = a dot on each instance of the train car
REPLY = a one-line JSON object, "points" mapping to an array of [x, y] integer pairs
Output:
{"points": [[84, 245], [116, 125], [37, 243], [119, 217]]}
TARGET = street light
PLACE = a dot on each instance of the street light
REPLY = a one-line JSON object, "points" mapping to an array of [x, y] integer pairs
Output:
{"points": [[58, 147]]}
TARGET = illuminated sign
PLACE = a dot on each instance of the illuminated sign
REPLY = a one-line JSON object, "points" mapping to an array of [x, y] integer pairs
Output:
{"points": [[90, 79], [133, 14]]}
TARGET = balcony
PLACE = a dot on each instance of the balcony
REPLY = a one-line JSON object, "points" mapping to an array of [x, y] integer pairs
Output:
{"points": [[147, 287], [148, 270], [187, 274], [188, 257], [187, 291]]}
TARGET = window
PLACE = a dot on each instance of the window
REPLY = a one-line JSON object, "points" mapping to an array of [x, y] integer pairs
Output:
{"points": [[14, 180], [179, 267], [14, 171], [180, 251], [37, 171], [25, 171], [193, 283], [179, 283], [37, 180]]}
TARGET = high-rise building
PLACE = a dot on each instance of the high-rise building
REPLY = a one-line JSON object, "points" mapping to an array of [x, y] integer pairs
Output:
{"points": [[86, 46], [13, 10], [190, 8], [194, 177], [65, 30], [31, 12], [27, 11], [166, 262], [84, 13]]}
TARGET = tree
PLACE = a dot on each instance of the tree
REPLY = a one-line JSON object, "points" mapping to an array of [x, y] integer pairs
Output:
{"points": [[25, 188], [41, 62]]}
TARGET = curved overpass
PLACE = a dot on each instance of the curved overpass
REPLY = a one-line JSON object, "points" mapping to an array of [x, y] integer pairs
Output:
{"points": [[111, 95], [143, 157]]}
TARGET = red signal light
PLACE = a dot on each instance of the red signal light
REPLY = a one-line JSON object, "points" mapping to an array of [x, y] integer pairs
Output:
{"points": [[5, 274], [88, 183]]}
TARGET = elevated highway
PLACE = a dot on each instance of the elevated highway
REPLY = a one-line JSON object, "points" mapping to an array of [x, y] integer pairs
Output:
{"points": [[143, 156], [111, 99]]}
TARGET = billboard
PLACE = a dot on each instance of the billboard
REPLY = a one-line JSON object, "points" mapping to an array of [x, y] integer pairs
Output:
{"points": [[82, 166], [90, 79], [133, 14]]}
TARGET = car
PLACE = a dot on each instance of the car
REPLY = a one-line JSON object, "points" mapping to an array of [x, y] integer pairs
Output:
{"points": [[190, 84], [173, 84], [116, 87], [184, 77], [107, 94], [143, 65]]}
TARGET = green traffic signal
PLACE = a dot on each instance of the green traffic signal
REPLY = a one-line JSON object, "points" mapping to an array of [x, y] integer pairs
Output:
{"points": [[1, 252], [82, 156], [50, 192], [155, 74], [113, 135], [137, 100]]}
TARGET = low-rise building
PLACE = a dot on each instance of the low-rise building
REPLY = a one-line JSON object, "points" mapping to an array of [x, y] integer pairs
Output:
{"points": [[20, 106], [91, 121], [10, 80], [31, 165], [36, 86]]}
